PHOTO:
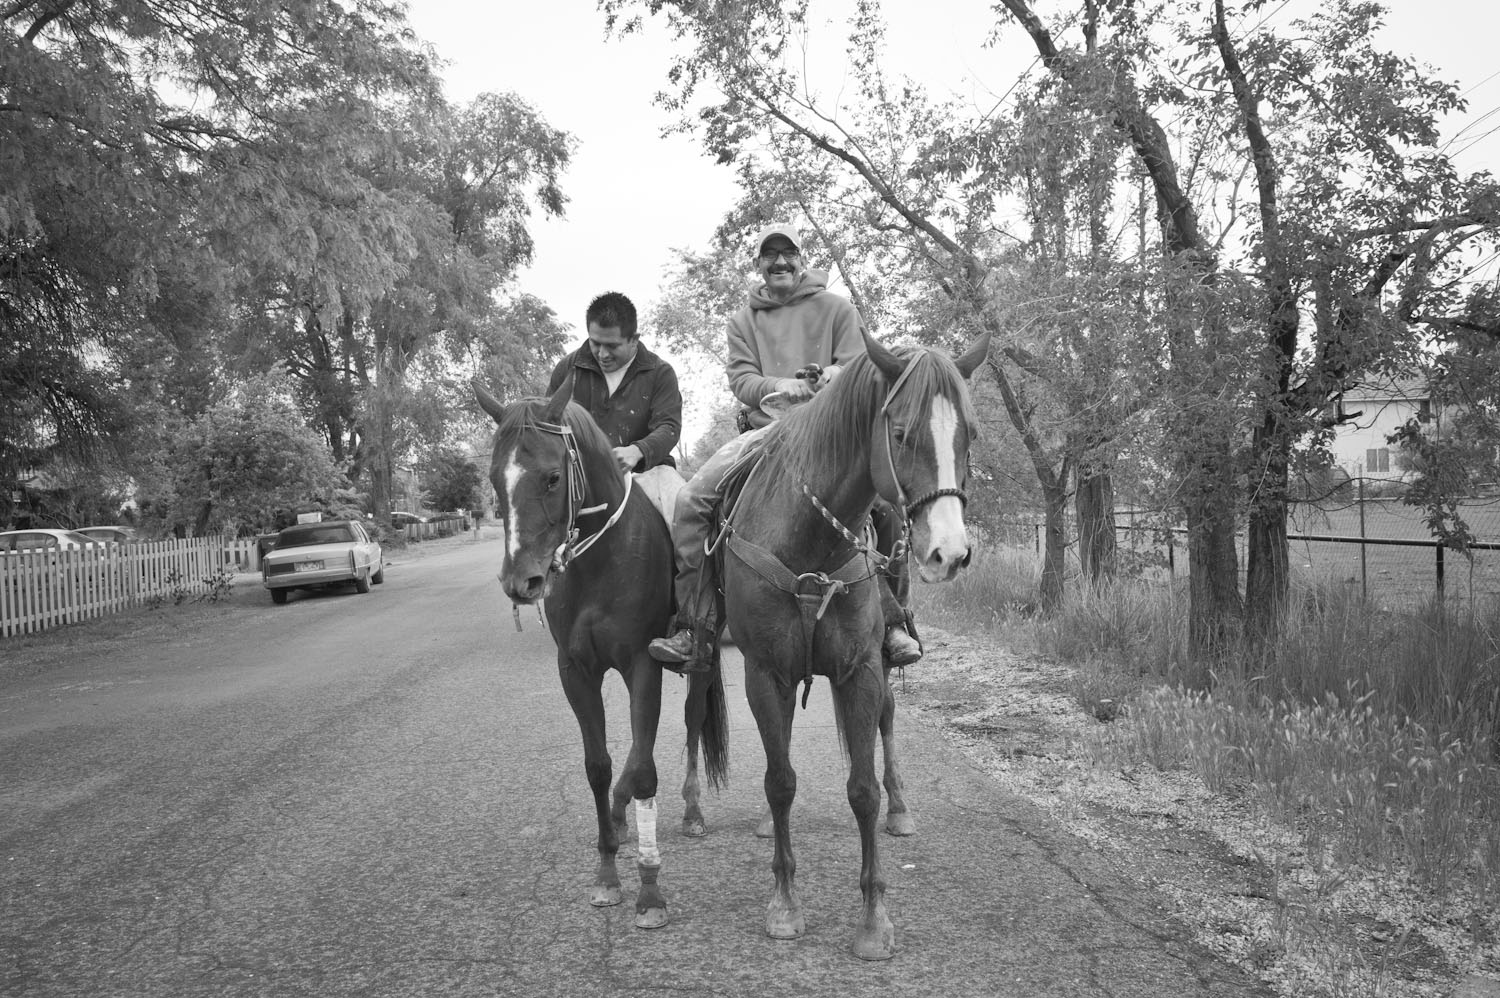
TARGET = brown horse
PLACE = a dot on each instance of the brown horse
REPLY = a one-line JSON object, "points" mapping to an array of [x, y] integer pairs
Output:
{"points": [[598, 555], [799, 585]]}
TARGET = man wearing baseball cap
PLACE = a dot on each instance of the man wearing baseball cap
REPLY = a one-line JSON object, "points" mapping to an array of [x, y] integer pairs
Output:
{"points": [[790, 323]]}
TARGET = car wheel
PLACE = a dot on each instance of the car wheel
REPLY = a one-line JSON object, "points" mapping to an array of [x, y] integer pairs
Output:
{"points": [[379, 575], [278, 596], [361, 583]]}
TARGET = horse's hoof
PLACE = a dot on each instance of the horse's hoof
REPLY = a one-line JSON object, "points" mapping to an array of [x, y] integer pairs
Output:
{"points": [[651, 918], [900, 824], [875, 945], [694, 828], [766, 829], [785, 923], [605, 895]]}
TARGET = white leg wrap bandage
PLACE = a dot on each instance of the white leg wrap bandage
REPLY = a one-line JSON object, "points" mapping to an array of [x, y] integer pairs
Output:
{"points": [[645, 832]]}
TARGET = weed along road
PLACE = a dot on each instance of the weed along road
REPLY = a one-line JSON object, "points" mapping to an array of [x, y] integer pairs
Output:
{"points": [[383, 795]]}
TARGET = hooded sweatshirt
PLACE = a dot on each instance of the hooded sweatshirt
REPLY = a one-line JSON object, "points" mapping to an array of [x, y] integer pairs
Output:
{"points": [[770, 339]]}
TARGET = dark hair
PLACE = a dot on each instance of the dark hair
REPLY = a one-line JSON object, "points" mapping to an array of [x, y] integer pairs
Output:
{"points": [[612, 309]]}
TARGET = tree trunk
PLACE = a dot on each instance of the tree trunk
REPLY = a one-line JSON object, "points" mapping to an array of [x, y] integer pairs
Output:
{"points": [[1054, 546], [1205, 459], [1213, 563], [1266, 577], [1094, 503]]}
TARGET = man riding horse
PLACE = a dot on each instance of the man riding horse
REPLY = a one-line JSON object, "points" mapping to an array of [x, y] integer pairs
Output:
{"points": [[792, 323]]}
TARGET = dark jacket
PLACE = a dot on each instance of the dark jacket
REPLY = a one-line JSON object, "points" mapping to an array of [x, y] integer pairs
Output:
{"points": [[646, 410]]}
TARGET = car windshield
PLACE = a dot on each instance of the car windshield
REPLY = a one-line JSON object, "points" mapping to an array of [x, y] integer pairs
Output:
{"points": [[323, 533]]}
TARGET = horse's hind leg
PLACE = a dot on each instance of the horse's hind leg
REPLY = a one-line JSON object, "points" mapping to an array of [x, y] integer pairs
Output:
{"points": [[898, 820], [773, 711], [588, 707], [859, 701]]}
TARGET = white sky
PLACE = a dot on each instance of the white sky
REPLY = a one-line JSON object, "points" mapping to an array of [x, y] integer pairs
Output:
{"points": [[635, 194]]}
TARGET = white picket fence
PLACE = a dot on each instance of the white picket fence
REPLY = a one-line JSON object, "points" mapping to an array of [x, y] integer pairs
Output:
{"points": [[42, 589]]}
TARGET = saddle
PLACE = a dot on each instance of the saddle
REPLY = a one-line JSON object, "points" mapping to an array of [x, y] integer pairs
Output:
{"points": [[813, 591], [661, 485]]}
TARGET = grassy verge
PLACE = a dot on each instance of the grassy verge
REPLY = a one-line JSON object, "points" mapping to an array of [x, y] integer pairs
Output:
{"points": [[1364, 741]]}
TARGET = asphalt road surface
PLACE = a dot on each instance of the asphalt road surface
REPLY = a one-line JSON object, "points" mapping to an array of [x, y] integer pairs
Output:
{"points": [[383, 795]]}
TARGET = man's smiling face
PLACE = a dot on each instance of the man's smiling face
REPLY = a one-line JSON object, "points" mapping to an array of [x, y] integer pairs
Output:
{"points": [[779, 265]]}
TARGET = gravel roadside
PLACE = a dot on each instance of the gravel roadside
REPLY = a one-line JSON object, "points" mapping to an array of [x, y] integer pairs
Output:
{"points": [[1242, 885]]}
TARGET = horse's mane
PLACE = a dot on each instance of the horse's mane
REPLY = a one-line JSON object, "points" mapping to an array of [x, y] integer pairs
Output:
{"points": [[833, 429]]}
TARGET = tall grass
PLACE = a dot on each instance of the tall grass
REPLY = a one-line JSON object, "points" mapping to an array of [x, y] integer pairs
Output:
{"points": [[1375, 735]]}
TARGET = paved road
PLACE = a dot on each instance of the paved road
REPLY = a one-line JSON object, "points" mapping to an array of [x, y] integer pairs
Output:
{"points": [[383, 795]]}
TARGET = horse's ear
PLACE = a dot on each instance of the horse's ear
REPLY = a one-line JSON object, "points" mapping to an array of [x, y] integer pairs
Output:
{"points": [[489, 403], [971, 358], [557, 405], [886, 362]]}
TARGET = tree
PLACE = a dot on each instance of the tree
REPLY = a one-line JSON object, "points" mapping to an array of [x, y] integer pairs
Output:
{"points": [[244, 461], [1312, 156], [909, 198], [451, 481], [1356, 219], [134, 138]]}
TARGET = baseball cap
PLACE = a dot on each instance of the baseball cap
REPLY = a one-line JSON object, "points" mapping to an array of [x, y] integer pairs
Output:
{"points": [[776, 229]]}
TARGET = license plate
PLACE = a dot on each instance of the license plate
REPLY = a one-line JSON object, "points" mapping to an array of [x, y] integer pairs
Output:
{"points": [[309, 566]]}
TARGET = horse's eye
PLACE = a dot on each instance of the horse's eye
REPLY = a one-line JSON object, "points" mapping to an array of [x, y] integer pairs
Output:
{"points": [[553, 480], [898, 433]]}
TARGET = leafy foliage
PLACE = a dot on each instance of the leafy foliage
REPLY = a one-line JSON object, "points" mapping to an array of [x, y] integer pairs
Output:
{"points": [[451, 481], [244, 463]]}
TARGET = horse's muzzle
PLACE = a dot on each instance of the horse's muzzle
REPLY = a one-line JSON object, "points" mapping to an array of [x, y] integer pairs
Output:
{"points": [[523, 588]]}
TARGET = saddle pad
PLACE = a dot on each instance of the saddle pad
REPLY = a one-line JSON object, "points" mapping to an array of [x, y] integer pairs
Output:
{"points": [[661, 485]]}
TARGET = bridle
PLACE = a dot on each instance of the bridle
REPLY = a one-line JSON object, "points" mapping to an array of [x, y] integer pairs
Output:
{"points": [[572, 547], [908, 510]]}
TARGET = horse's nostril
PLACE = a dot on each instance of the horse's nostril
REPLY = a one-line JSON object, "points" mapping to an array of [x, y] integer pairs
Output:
{"points": [[534, 584], [968, 557]]}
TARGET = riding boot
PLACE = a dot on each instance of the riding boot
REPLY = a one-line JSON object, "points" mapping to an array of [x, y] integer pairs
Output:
{"points": [[687, 647], [901, 648]]}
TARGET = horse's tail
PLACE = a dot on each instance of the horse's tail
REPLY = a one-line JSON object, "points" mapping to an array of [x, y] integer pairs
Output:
{"points": [[707, 690]]}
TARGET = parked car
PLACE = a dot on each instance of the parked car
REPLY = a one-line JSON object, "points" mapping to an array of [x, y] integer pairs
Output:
{"points": [[45, 538], [315, 555], [400, 519], [117, 535]]}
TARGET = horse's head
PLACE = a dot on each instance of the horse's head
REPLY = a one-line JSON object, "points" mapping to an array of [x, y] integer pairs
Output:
{"points": [[919, 457], [538, 483]]}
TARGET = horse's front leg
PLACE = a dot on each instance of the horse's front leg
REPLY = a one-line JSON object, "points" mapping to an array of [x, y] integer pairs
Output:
{"points": [[638, 782], [773, 709], [898, 820], [860, 701], [582, 688]]}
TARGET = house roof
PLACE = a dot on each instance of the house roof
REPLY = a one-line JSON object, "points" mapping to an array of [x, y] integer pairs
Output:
{"points": [[1388, 388]]}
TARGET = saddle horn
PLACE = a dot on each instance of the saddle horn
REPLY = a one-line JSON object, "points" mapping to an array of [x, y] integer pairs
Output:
{"points": [[489, 403], [884, 360], [968, 362]]}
